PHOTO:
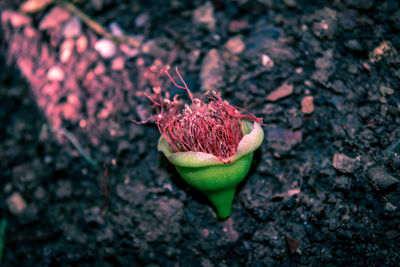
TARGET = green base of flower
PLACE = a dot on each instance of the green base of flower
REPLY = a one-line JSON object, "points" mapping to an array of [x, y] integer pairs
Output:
{"points": [[222, 201], [212, 176], [218, 182]]}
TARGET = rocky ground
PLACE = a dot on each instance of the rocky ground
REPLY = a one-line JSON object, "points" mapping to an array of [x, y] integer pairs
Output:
{"points": [[82, 185]]}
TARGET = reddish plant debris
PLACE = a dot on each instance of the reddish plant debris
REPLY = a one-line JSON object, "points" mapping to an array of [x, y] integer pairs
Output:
{"points": [[293, 244], [209, 125]]}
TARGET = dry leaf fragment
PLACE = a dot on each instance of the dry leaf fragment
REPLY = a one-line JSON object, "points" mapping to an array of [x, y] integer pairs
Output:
{"points": [[293, 244]]}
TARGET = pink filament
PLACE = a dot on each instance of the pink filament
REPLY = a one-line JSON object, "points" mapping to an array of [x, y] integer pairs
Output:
{"points": [[214, 127]]}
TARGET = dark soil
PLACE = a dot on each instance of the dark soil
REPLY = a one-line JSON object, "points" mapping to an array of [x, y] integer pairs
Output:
{"points": [[83, 186]]}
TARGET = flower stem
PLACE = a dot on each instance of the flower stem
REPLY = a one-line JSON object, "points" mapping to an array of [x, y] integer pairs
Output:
{"points": [[222, 201]]}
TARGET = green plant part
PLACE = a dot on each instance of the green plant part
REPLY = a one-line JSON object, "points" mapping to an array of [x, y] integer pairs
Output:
{"points": [[217, 178], [210, 142], [3, 226]]}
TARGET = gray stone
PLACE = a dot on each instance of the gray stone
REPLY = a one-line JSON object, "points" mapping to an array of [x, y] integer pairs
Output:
{"points": [[123, 146], [281, 139], [152, 48], [390, 207], [64, 189], [352, 125], [204, 16], [325, 23], [212, 71], [342, 182], [268, 233], [73, 28], [16, 19], [381, 178], [73, 233], [282, 91], [168, 208], [93, 216], [116, 29], [325, 67], [354, 45], [384, 90], [132, 193], [338, 86], [105, 235], [343, 163], [54, 18], [298, 230], [23, 173], [235, 45], [39, 193], [360, 4], [230, 233], [290, 3], [142, 20], [348, 19], [271, 42], [325, 28]]}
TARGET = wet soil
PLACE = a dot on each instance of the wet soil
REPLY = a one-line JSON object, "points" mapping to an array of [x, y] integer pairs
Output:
{"points": [[81, 185]]}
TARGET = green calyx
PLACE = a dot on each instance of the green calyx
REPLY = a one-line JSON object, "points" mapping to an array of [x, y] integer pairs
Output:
{"points": [[214, 177]]}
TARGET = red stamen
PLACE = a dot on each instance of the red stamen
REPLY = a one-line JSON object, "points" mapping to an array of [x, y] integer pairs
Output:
{"points": [[214, 127]]}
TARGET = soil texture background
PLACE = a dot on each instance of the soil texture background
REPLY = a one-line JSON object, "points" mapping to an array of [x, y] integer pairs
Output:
{"points": [[81, 185]]}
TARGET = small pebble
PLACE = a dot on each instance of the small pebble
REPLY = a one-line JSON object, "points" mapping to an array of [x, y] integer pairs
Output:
{"points": [[353, 45], [235, 45], [290, 3], [380, 177], [386, 90], [238, 25], [72, 28], [66, 50], [307, 105], [212, 71], [142, 20], [64, 189], [55, 74], [283, 91], [30, 32], [106, 48], [116, 29], [16, 19], [267, 61], [100, 69], [16, 204], [39, 193], [118, 63], [343, 163], [385, 49], [81, 44], [390, 207], [204, 16], [54, 18], [50, 88]]}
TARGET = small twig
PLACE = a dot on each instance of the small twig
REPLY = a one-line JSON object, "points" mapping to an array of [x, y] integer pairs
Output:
{"points": [[32, 7], [104, 185], [95, 26], [3, 226], [75, 143]]}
